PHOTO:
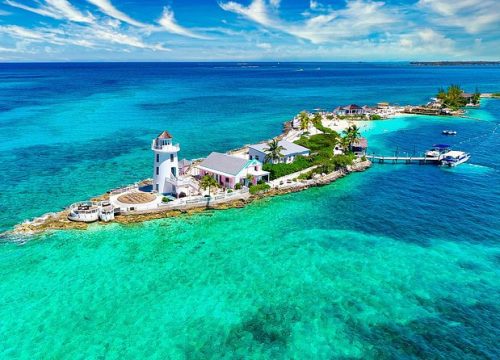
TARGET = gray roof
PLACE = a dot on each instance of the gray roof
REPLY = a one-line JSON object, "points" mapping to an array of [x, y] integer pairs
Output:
{"points": [[184, 163], [289, 147], [224, 163]]}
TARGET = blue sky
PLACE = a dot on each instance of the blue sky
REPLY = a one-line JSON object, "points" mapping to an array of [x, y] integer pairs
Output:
{"points": [[246, 30]]}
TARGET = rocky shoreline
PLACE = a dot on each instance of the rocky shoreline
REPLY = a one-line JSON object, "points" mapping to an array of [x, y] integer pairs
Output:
{"points": [[59, 220]]}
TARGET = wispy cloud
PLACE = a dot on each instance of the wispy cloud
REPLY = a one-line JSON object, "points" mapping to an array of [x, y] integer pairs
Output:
{"points": [[95, 36], [107, 8], [358, 18], [473, 16], [168, 23], [57, 9]]}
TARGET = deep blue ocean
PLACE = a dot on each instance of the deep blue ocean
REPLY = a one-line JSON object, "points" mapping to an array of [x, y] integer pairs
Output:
{"points": [[398, 262]]}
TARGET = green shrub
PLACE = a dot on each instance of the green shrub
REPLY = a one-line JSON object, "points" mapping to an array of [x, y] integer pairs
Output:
{"points": [[254, 189], [237, 186], [165, 199], [375, 117], [229, 191], [279, 170]]}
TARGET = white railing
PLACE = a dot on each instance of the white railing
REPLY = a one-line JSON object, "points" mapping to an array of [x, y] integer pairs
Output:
{"points": [[165, 147], [204, 199], [123, 189]]}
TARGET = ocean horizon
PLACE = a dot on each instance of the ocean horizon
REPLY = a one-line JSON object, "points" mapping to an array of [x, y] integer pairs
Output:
{"points": [[399, 261]]}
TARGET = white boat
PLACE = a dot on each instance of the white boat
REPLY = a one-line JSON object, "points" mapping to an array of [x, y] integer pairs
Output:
{"points": [[454, 158], [449, 132], [437, 151]]}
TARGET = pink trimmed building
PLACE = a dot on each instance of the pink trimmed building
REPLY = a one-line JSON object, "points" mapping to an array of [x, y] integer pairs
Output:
{"points": [[230, 170]]}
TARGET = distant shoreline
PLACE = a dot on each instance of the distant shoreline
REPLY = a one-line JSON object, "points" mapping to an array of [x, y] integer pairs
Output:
{"points": [[453, 63]]}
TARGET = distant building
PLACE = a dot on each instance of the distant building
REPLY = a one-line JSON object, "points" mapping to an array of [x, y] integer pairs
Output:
{"points": [[230, 170], [352, 109], [290, 152], [467, 96], [359, 146], [383, 105]]}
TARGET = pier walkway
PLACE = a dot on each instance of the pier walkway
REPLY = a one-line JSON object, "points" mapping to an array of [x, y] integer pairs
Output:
{"points": [[422, 160]]}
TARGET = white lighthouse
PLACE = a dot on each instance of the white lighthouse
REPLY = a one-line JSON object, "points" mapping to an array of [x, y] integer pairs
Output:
{"points": [[166, 164]]}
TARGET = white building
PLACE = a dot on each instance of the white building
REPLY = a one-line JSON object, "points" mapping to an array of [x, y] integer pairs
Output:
{"points": [[166, 175], [290, 152]]}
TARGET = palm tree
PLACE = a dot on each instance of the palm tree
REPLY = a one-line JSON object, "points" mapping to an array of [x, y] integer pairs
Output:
{"points": [[208, 182], [304, 121], [273, 151], [317, 119], [351, 134]]}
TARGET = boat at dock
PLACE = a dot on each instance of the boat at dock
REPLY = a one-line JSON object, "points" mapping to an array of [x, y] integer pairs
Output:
{"points": [[449, 132], [437, 151], [454, 158]]}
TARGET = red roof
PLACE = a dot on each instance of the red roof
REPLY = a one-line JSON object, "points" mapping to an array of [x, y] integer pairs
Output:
{"points": [[164, 135], [361, 143]]}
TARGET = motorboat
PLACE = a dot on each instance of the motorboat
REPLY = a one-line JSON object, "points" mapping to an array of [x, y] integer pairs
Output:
{"points": [[449, 132], [454, 158], [437, 151]]}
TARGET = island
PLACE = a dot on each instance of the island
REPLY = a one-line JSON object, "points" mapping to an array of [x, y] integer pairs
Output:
{"points": [[314, 149]]}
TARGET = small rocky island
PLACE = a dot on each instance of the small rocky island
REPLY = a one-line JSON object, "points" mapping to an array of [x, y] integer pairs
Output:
{"points": [[314, 149]]}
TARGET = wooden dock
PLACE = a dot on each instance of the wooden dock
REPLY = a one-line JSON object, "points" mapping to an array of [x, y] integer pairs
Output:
{"points": [[422, 160]]}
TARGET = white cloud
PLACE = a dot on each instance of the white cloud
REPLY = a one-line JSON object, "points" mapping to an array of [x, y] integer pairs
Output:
{"points": [[168, 23], [124, 39], [358, 18], [265, 46], [256, 11], [57, 9], [95, 36], [107, 8], [473, 16]]}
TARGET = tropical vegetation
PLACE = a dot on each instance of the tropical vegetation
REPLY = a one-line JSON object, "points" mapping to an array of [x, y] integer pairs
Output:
{"points": [[273, 151], [351, 134], [282, 169], [208, 182], [305, 120], [254, 189], [452, 97]]}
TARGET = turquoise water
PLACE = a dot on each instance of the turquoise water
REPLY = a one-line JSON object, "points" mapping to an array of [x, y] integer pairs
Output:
{"points": [[396, 262]]}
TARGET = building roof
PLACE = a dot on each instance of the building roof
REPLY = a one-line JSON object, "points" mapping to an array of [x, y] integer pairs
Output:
{"points": [[184, 163], [348, 107], [361, 143], [289, 147], [224, 163], [164, 135], [466, 95], [352, 107]]}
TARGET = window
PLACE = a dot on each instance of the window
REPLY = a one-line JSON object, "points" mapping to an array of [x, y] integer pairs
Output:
{"points": [[157, 187], [157, 157], [157, 170], [172, 157], [256, 157]]}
